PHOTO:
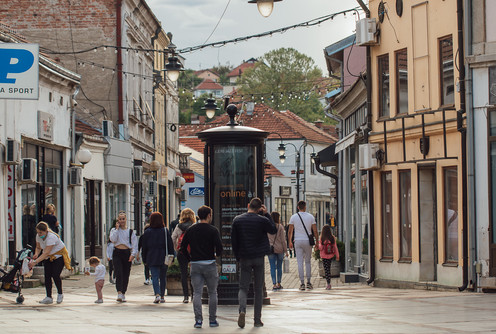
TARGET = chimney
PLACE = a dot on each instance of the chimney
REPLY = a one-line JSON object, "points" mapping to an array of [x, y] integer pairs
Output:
{"points": [[202, 119], [318, 123]]}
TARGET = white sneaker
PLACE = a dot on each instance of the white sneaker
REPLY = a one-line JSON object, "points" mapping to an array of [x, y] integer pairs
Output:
{"points": [[147, 282], [124, 298], [60, 298], [119, 297], [157, 300], [46, 300], [98, 301]]}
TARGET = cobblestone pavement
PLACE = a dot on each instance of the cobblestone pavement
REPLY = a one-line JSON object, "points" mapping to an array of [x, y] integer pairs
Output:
{"points": [[347, 308]]}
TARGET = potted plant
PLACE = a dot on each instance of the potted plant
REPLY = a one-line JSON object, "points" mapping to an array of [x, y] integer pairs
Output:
{"points": [[174, 286], [336, 267]]}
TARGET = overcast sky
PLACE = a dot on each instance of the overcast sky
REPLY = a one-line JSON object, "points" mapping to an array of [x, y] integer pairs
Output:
{"points": [[192, 21]]}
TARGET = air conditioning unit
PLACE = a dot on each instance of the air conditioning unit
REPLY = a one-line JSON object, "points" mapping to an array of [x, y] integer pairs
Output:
{"points": [[183, 195], [177, 182], [107, 129], [152, 188], [29, 171], [12, 152], [366, 30], [367, 156], [75, 176], [138, 174]]}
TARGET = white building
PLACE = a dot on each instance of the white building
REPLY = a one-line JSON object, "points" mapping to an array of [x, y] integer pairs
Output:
{"points": [[39, 130]]}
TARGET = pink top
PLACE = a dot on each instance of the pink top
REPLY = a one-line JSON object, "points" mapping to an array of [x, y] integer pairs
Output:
{"points": [[324, 255]]}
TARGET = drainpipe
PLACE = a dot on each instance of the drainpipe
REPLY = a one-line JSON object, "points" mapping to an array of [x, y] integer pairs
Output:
{"points": [[370, 176], [118, 36], [74, 262], [155, 86], [332, 176], [472, 214], [463, 134]]}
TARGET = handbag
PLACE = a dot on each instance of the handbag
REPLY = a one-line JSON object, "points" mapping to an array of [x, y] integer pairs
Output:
{"points": [[311, 238], [168, 258]]}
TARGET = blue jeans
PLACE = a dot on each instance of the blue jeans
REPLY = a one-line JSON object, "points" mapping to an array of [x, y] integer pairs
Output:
{"points": [[246, 267], [158, 279], [275, 261], [204, 274]]}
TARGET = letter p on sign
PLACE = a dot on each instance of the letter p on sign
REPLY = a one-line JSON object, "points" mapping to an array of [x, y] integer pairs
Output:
{"points": [[19, 71]]}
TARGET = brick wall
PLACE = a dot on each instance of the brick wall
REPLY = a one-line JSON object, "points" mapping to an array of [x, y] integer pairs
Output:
{"points": [[62, 25]]}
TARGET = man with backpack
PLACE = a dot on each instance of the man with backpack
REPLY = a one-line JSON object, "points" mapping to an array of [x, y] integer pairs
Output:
{"points": [[202, 244]]}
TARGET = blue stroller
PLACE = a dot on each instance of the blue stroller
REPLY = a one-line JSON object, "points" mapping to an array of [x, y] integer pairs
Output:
{"points": [[12, 281]]}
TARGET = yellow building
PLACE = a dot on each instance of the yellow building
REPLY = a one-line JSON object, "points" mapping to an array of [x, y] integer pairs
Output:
{"points": [[418, 186]]}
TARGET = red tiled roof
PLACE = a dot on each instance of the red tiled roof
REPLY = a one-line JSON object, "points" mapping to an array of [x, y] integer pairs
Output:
{"points": [[209, 84], [87, 129], [271, 170], [207, 70], [284, 123], [240, 69], [192, 142]]}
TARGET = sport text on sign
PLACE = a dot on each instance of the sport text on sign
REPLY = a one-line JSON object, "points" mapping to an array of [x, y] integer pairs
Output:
{"points": [[19, 71]]}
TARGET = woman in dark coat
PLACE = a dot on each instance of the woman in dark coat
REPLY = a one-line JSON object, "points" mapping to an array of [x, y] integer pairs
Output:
{"points": [[157, 243]]}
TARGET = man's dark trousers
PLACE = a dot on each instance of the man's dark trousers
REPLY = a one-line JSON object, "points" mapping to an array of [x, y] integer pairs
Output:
{"points": [[246, 267]]}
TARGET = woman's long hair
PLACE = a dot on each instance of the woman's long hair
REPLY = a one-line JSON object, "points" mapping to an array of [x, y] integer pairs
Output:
{"points": [[156, 220], [187, 215], [275, 216], [326, 235]]}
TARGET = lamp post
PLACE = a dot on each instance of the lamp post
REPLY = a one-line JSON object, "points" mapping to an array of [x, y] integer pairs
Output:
{"points": [[282, 158], [210, 107]]}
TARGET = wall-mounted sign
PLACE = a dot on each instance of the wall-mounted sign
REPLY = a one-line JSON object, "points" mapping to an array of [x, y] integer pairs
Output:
{"points": [[19, 71], [229, 268], [45, 126], [197, 191], [10, 201], [284, 191], [189, 177]]}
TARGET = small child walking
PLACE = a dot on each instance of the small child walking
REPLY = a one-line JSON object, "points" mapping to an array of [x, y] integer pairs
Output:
{"points": [[328, 250], [99, 277]]}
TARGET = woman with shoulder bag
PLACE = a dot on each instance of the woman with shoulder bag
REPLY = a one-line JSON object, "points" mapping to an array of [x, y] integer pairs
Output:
{"points": [[157, 245], [186, 219], [278, 249], [125, 250]]}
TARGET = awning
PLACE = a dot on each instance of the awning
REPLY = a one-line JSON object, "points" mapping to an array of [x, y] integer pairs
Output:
{"points": [[328, 157], [345, 142]]}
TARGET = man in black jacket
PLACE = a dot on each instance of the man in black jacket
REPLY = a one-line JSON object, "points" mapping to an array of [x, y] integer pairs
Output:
{"points": [[250, 244], [205, 245]]}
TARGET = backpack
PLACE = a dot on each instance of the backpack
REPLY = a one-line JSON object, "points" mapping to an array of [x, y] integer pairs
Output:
{"points": [[328, 248], [180, 240]]}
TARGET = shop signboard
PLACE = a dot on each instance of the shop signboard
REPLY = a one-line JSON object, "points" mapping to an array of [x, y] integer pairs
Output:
{"points": [[19, 71]]}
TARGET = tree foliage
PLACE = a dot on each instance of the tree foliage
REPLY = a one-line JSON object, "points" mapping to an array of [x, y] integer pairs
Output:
{"points": [[223, 71], [285, 79]]}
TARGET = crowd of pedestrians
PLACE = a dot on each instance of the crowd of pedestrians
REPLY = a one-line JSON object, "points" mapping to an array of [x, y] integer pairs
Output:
{"points": [[197, 245]]}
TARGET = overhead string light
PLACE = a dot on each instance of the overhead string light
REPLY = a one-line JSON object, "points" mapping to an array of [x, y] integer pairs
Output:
{"points": [[306, 24]]}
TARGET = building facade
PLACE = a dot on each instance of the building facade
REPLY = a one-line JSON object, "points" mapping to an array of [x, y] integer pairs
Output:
{"points": [[418, 195]]}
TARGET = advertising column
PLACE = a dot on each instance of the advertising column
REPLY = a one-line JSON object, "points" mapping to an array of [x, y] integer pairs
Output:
{"points": [[235, 185]]}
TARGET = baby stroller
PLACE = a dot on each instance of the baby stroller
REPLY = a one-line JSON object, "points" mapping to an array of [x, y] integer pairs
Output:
{"points": [[12, 281]]}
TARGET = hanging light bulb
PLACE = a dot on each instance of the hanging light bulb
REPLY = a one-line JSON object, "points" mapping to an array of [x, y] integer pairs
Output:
{"points": [[265, 7]]}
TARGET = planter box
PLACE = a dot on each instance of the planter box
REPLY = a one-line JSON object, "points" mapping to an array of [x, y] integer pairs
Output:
{"points": [[174, 286], [335, 269]]}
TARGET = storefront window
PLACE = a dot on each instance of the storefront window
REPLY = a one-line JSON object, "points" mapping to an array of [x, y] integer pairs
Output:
{"points": [[451, 213], [405, 214], [285, 207], [36, 197], [387, 215]]}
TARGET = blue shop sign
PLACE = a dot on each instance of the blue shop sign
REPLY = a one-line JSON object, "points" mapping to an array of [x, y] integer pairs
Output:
{"points": [[197, 191]]}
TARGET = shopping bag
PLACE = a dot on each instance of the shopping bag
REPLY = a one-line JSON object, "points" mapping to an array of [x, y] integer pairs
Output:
{"points": [[285, 265]]}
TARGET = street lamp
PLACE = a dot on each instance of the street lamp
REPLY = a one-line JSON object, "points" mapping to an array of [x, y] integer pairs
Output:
{"points": [[174, 66], [265, 7], [282, 158], [210, 107]]}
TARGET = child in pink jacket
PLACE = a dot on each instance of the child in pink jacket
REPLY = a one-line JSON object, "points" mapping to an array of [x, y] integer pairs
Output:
{"points": [[328, 250]]}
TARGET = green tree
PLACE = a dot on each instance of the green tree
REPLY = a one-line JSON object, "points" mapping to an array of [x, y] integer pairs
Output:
{"points": [[285, 79], [223, 71], [188, 80]]}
